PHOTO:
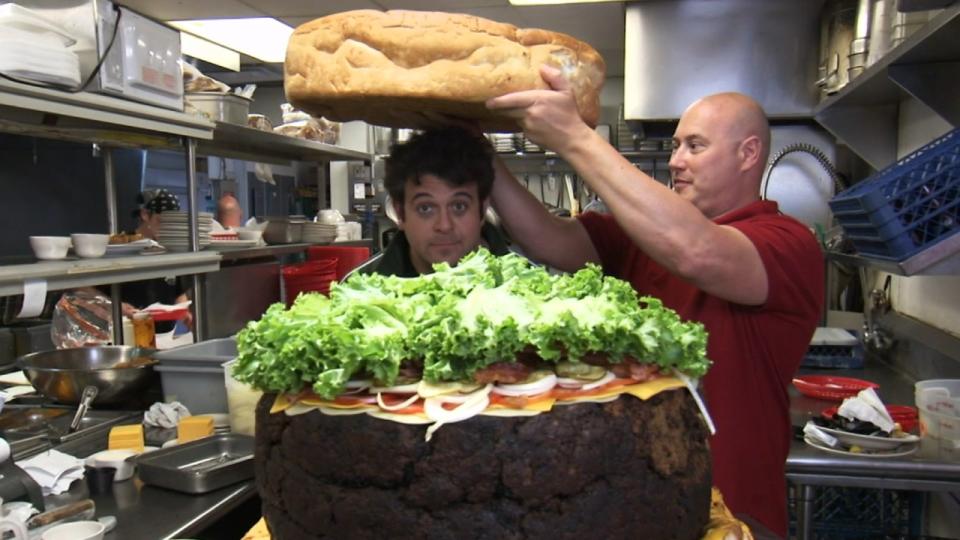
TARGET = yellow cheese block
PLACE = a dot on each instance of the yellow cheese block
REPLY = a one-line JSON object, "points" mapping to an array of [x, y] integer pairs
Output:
{"points": [[126, 437], [194, 427]]}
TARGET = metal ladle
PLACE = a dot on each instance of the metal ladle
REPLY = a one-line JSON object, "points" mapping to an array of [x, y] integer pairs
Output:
{"points": [[89, 394]]}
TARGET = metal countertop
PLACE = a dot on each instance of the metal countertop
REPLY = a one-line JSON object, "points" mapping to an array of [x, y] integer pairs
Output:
{"points": [[932, 467]]}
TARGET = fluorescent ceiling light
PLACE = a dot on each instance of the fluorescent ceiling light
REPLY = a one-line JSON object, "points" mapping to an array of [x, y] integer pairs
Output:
{"points": [[263, 38], [207, 51], [553, 2]]}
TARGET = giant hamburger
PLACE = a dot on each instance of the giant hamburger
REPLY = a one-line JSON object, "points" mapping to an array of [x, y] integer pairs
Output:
{"points": [[559, 396]]}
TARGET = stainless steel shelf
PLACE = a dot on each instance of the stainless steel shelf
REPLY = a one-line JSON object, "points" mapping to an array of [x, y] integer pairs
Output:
{"points": [[925, 66], [85, 116], [940, 259], [534, 156], [241, 142], [68, 274]]}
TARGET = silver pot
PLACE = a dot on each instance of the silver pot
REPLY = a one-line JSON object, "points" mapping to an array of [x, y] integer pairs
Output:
{"points": [[118, 372]]}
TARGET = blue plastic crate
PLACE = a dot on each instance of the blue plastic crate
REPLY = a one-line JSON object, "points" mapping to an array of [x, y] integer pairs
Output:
{"points": [[834, 356], [844, 513], [906, 207]]}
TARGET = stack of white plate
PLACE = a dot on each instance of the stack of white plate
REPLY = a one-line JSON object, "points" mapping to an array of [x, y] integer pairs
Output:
{"points": [[319, 233], [33, 47], [502, 142], [175, 230]]}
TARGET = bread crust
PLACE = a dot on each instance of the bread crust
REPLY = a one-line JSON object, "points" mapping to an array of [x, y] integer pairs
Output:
{"points": [[399, 68]]}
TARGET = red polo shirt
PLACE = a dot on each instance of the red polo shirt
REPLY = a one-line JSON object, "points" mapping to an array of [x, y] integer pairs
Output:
{"points": [[755, 349]]}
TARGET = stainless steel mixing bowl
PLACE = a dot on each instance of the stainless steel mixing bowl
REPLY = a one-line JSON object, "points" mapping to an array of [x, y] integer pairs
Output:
{"points": [[118, 372]]}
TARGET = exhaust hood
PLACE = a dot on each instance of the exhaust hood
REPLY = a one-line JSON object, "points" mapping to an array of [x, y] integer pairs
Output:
{"points": [[680, 50]]}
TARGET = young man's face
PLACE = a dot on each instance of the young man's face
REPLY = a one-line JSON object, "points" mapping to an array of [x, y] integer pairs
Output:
{"points": [[442, 222]]}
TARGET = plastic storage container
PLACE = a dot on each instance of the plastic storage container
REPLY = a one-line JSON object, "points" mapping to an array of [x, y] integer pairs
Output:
{"points": [[229, 108], [241, 400], [938, 401], [906, 207], [193, 374]]}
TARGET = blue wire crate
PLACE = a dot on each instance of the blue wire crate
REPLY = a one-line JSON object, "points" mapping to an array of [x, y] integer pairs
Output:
{"points": [[834, 356], [906, 207]]}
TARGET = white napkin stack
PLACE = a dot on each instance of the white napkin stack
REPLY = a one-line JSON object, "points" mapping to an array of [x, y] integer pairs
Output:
{"points": [[53, 470], [165, 415], [867, 406]]}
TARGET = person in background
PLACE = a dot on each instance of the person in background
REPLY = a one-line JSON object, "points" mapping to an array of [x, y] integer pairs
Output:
{"points": [[439, 182], [150, 204], [708, 247], [136, 295], [229, 213]]}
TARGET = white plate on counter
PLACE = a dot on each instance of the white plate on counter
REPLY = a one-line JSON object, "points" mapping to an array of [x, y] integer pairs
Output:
{"points": [[129, 248], [870, 442], [905, 450]]}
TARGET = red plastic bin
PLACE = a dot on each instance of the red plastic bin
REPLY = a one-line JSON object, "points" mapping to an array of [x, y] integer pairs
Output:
{"points": [[347, 257], [310, 276]]}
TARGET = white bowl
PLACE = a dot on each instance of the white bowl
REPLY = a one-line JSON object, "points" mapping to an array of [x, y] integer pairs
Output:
{"points": [[249, 234], [77, 530], [90, 245], [49, 248]]}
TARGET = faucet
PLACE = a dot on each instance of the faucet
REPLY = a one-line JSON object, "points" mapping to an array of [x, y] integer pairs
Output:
{"points": [[822, 159], [876, 337]]}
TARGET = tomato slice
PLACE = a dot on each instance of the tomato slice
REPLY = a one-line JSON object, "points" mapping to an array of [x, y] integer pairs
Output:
{"points": [[518, 402]]}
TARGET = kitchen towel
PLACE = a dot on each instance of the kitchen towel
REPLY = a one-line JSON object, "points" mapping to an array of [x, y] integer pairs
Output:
{"points": [[53, 470], [165, 415]]}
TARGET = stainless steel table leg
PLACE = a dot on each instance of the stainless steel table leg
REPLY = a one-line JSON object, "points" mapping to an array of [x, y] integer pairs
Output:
{"points": [[803, 494]]}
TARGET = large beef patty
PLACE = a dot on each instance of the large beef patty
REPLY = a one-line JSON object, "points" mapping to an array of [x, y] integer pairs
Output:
{"points": [[623, 469]]}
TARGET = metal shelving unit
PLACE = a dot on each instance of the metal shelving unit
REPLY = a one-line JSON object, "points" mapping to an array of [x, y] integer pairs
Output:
{"points": [[940, 259], [111, 122], [241, 142], [925, 66], [67, 274]]}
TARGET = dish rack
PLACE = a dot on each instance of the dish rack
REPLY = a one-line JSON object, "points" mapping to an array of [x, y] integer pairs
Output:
{"points": [[907, 207], [834, 348]]}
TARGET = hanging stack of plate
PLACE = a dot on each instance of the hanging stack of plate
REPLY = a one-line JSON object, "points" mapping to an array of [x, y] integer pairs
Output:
{"points": [[319, 233], [502, 142], [175, 230]]}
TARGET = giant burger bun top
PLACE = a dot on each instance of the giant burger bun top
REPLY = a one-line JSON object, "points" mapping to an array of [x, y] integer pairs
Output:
{"points": [[402, 68]]}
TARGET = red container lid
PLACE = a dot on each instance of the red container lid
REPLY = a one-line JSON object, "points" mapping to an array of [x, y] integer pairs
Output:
{"points": [[829, 387], [175, 315]]}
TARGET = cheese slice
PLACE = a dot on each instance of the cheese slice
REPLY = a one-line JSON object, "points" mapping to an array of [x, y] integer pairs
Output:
{"points": [[126, 438], [192, 428]]}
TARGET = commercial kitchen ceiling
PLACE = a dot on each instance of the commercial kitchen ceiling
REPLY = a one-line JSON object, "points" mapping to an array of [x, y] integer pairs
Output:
{"points": [[600, 25]]}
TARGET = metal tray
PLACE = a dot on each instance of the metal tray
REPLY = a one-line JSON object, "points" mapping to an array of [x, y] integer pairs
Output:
{"points": [[199, 466]]}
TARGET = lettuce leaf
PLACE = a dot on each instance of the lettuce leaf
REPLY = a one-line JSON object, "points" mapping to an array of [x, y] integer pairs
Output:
{"points": [[458, 320]]}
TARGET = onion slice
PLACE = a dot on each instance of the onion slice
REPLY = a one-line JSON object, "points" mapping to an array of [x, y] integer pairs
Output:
{"points": [[538, 386], [609, 376], [402, 405], [357, 386], [396, 389], [566, 382], [433, 408]]}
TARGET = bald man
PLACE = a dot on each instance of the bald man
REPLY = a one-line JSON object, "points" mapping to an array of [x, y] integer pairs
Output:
{"points": [[708, 247], [229, 213]]}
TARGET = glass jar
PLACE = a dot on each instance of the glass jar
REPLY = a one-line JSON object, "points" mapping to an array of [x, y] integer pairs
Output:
{"points": [[144, 332]]}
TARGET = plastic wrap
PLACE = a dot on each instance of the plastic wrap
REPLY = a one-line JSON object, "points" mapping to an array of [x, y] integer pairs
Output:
{"points": [[81, 318]]}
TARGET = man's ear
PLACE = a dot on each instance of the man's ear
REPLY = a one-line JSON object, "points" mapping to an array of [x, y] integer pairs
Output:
{"points": [[749, 152], [484, 207]]}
